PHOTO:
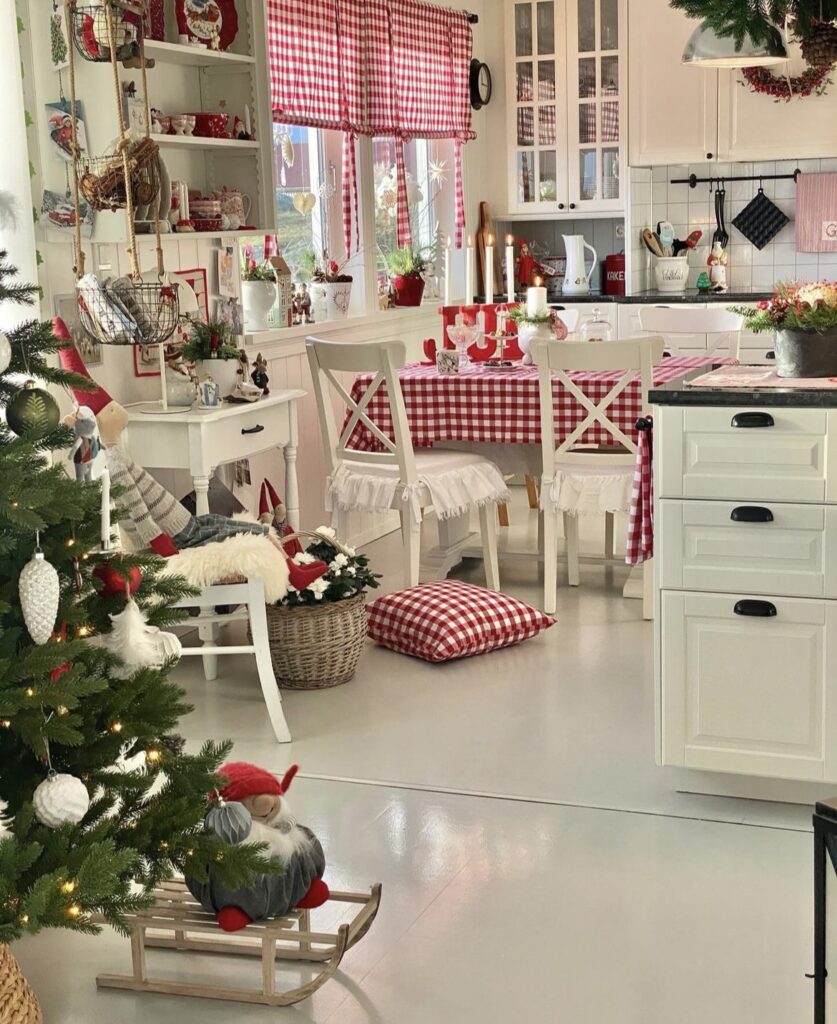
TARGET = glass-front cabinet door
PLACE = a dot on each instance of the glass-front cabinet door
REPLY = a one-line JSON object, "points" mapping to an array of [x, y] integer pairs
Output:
{"points": [[596, 104], [537, 107]]}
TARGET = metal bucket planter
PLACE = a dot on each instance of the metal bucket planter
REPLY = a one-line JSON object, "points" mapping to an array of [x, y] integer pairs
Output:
{"points": [[806, 353]]}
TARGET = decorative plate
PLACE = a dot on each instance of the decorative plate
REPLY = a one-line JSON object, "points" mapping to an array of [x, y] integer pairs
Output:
{"points": [[202, 20]]}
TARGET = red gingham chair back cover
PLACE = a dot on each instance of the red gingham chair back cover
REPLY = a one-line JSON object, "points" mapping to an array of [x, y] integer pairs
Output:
{"points": [[397, 68]]}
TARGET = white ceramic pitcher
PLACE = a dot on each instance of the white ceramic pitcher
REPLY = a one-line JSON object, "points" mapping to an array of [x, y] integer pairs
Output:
{"points": [[577, 277]]}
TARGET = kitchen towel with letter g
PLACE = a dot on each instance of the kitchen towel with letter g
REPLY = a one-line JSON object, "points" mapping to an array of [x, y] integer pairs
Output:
{"points": [[816, 213]]}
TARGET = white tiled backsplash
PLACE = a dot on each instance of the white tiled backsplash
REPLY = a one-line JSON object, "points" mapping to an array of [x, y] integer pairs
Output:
{"points": [[654, 198]]}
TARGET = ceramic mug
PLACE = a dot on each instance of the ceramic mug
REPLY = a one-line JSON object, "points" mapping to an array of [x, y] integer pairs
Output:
{"points": [[447, 362]]}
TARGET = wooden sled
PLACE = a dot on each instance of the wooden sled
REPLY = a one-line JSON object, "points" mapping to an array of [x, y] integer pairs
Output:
{"points": [[177, 921]]}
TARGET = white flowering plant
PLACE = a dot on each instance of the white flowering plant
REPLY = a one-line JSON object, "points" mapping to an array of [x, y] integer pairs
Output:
{"points": [[348, 572]]}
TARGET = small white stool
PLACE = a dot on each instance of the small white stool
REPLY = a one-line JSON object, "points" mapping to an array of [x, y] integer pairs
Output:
{"points": [[249, 594]]}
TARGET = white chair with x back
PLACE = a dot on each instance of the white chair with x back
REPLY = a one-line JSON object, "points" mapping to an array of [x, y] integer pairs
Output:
{"points": [[396, 476]]}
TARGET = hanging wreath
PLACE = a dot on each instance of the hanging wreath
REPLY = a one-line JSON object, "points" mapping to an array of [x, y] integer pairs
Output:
{"points": [[812, 82]]}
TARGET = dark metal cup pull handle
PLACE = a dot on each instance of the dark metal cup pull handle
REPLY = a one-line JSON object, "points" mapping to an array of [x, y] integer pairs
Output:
{"points": [[759, 609], [751, 514], [752, 419], [252, 430]]}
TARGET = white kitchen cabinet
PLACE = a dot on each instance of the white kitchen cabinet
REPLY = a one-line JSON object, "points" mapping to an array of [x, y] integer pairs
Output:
{"points": [[748, 683], [673, 110], [566, 83], [746, 575], [683, 115]]}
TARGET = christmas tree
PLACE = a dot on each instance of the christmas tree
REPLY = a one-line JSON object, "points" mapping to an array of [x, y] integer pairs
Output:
{"points": [[100, 803], [759, 18]]}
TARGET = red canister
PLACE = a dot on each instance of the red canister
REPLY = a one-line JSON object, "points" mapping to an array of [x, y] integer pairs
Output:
{"points": [[614, 274]]}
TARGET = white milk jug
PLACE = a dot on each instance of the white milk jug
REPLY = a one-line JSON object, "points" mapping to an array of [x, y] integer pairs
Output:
{"points": [[577, 277]]}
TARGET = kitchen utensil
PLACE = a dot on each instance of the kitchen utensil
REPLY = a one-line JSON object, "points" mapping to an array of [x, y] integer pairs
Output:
{"points": [[666, 232], [693, 238], [577, 277], [760, 220], [652, 242], [717, 236], [724, 234]]}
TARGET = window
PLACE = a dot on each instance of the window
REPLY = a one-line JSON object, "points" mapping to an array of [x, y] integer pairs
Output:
{"points": [[429, 167]]}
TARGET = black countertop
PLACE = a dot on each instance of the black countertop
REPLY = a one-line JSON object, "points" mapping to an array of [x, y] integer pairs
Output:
{"points": [[678, 392], [650, 297]]}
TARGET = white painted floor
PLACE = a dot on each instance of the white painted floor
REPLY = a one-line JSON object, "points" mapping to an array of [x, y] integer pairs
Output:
{"points": [[537, 866]]}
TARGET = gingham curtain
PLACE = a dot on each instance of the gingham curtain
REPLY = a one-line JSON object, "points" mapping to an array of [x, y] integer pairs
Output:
{"points": [[373, 67]]}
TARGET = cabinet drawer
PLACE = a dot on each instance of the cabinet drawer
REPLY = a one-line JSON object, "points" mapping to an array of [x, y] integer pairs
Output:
{"points": [[768, 548], [747, 692], [246, 434], [746, 454]]}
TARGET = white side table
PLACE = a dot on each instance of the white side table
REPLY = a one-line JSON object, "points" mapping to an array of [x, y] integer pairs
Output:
{"points": [[200, 440]]}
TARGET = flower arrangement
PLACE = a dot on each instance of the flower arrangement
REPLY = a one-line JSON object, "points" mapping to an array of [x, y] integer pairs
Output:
{"points": [[551, 318], [259, 272], [322, 270], [211, 340], [794, 306], [348, 572]]}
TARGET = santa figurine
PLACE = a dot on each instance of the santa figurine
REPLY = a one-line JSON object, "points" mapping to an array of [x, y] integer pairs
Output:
{"points": [[526, 266], [253, 808]]}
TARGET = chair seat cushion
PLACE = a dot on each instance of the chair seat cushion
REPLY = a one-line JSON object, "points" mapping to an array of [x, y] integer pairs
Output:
{"points": [[452, 482], [583, 488], [450, 619]]}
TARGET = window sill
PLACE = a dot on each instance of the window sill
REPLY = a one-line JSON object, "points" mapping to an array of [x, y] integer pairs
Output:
{"points": [[382, 318]]}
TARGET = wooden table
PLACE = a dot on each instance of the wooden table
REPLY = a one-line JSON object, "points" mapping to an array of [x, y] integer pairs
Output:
{"points": [[200, 440]]}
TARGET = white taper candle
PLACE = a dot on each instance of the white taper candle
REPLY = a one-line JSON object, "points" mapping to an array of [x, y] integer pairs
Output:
{"points": [[469, 271], [510, 289], [489, 269], [447, 271]]}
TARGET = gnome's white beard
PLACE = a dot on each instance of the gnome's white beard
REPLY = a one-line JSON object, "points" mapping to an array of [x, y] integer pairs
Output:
{"points": [[284, 838]]}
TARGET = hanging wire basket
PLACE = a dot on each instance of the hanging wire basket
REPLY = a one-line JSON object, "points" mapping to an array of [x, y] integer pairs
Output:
{"points": [[90, 32], [128, 312], [101, 179]]}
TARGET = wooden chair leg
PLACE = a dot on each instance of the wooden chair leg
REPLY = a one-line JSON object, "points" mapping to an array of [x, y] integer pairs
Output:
{"points": [[609, 532], [532, 491], [550, 561], [208, 633], [264, 665], [411, 538], [503, 515], [488, 532], [571, 536]]}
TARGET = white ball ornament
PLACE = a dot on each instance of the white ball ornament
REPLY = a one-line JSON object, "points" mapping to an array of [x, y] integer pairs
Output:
{"points": [[60, 800], [5, 352], [39, 590]]}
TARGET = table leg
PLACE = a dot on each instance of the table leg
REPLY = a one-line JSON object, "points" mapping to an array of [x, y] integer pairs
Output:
{"points": [[201, 495], [291, 480]]}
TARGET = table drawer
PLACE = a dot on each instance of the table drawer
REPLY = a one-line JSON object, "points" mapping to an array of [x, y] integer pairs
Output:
{"points": [[747, 454], [769, 548], [247, 433], [745, 683]]}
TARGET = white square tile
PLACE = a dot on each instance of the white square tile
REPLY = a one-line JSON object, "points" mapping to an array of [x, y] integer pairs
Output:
{"points": [[741, 255], [763, 257], [739, 277], [784, 252], [807, 261], [808, 166], [659, 193], [786, 166], [763, 277], [765, 167], [784, 189], [659, 174], [828, 165], [784, 272]]}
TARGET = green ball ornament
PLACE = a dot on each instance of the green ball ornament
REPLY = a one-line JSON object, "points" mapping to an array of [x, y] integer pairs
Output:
{"points": [[32, 412]]}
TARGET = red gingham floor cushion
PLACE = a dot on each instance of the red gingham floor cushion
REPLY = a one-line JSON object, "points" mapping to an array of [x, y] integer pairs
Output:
{"points": [[450, 619]]}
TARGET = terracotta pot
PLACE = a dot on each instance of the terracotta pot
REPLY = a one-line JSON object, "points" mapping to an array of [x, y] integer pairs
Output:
{"points": [[408, 289]]}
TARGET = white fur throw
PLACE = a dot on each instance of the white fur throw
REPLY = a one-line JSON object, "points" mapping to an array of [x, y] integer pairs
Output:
{"points": [[245, 554]]}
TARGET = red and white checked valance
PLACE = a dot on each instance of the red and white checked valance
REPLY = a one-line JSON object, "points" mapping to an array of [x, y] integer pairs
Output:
{"points": [[395, 68]]}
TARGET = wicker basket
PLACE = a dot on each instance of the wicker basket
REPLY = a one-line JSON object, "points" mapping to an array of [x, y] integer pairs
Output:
{"points": [[18, 1004], [316, 646]]}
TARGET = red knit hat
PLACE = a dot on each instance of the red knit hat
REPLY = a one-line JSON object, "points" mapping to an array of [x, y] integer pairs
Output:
{"points": [[250, 780], [71, 360]]}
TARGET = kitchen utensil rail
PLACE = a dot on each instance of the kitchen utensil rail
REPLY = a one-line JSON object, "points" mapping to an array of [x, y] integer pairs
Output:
{"points": [[693, 180]]}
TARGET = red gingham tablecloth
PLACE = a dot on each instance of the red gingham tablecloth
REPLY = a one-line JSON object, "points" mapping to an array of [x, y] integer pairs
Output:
{"points": [[503, 406]]}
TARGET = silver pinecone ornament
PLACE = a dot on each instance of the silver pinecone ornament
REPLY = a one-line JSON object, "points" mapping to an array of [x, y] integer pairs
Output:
{"points": [[39, 591], [60, 800]]}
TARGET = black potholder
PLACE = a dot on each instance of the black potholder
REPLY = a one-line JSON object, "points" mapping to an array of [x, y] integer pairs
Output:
{"points": [[760, 220]]}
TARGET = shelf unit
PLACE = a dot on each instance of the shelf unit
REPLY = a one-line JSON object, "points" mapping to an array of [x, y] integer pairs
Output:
{"points": [[197, 142], [197, 56]]}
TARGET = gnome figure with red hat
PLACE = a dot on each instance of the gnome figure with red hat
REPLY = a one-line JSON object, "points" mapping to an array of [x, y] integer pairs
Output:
{"points": [[253, 808]]}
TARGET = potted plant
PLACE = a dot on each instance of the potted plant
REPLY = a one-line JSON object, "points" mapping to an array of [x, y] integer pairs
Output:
{"points": [[258, 294], [406, 267], [803, 318], [317, 634], [330, 288], [211, 348], [546, 325]]}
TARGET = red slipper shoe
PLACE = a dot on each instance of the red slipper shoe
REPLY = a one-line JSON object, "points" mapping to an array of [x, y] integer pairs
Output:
{"points": [[232, 919], [318, 893]]}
